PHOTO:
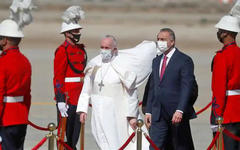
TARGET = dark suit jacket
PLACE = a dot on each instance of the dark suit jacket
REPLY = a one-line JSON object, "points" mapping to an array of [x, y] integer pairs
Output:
{"points": [[174, 91]]}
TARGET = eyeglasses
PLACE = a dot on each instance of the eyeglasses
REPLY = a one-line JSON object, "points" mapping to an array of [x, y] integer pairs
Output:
{"points": [[1, 37]]}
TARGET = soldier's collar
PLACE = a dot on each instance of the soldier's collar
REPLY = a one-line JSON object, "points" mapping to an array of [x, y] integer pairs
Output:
{"points": [[226, 45], [10, 49], [66, 44]]}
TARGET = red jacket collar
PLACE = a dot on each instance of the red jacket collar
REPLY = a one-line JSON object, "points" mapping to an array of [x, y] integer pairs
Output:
{"points": [[227, 45], [66, 44], [10, 49]]}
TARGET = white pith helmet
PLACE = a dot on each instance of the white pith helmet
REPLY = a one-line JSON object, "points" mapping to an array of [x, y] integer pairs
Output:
{"points": [[70, 26], [10, 28], [229, 23]]}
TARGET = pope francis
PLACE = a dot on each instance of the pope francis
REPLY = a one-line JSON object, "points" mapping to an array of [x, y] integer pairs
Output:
{"points": [[110, 85]]}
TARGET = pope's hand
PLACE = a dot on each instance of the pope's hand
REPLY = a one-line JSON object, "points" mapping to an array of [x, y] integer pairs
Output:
{"points": [[83, 117], [148, 120], [177, 117], [63, 108], [133, 122]]}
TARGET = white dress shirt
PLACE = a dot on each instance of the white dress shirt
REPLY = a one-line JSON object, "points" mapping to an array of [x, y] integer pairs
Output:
{"points": [[169, 55]]}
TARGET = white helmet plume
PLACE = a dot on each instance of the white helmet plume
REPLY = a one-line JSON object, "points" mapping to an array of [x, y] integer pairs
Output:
{"points": [[20, 11], [73, 14], [235, 11]]}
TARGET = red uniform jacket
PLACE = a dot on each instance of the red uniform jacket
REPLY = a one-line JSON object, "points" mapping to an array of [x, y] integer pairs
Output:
{"points": [[225, 78], [15, 80], [69, 63]]}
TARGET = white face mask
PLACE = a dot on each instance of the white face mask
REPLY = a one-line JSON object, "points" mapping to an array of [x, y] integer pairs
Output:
{"points": [[106, 54], [162, 46], [158, 52]]}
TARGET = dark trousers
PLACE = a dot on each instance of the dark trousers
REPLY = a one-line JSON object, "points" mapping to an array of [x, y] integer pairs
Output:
{"points": [[13, 137], [72, 127], [171, 137], [229, 143]]}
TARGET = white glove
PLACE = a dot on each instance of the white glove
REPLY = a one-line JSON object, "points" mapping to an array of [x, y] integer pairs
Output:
{"points": [[0, 139], [63, 108], [214, 128]]}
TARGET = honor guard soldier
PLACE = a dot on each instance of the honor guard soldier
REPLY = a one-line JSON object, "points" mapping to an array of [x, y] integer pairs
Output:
{"points": [[69, 63], [15, 80], [226, 80]]}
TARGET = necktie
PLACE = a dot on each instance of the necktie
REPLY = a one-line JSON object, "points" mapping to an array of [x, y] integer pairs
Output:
{"points": [[164, 64]]}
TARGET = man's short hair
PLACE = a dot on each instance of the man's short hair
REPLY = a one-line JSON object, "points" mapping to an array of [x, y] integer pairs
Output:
{"points": [[113, 39], [170, 31]]}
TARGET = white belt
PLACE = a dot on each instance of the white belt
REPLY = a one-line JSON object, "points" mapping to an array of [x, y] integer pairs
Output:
{"points": [[74, 79], [11, 99], [232, 92]]}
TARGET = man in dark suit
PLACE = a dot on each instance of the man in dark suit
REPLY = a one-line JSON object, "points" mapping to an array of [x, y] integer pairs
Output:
{"points": [[169, 103]]}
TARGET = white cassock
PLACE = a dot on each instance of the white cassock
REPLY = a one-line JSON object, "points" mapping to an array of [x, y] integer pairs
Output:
{"points": [[111, 88]]}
